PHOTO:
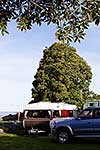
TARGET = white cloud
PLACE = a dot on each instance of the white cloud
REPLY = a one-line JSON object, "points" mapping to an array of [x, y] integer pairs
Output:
{"points": [[16, 76], [93, 59], [20, 54], [89, 49]]}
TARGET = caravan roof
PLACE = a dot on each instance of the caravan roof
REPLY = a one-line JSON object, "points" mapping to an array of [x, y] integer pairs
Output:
{"points": [[50, 106]]}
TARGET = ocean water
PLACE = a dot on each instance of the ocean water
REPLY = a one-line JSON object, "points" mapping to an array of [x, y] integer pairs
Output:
{"points": [[4, 113]]}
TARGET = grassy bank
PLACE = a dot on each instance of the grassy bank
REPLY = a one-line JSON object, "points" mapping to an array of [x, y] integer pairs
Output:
{"points": [[14, 142]]}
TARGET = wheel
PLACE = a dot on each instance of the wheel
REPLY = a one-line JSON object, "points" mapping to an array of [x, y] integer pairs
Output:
{"points": [[63, 136]]}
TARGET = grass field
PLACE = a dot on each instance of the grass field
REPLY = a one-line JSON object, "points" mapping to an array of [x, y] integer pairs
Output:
{"points": [[14, 142]]}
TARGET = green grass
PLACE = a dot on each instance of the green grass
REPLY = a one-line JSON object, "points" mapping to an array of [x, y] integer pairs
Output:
{"points": [[14, 142]]}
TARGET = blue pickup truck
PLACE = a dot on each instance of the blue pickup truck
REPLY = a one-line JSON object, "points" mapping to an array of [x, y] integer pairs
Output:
{"points": [[86, 124]]}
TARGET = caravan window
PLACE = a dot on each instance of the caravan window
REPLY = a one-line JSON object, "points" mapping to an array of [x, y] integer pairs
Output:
{"points": [[56, 113], [37, 114], [66, 113]]}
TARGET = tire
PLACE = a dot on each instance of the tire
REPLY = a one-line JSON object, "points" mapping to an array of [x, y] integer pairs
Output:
{"points": [[63, 136]]}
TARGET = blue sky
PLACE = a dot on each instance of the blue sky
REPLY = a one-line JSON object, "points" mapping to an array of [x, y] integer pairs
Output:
{"points": [[20, 53]]}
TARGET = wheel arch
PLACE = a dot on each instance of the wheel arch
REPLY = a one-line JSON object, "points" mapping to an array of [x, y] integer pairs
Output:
{"points": [[67, 128]]}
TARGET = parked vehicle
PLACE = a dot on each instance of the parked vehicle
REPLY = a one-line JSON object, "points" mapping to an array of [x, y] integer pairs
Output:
{"points": [[87, 124], [37, 116], [92, 103]]}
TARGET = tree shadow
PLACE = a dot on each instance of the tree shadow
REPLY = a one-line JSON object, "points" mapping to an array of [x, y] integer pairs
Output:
{"points": [[92, 141]]}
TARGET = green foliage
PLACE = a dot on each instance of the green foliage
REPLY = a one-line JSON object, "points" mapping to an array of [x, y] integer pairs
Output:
{"points": [[92, 96], [71, 17], [62, 76]]}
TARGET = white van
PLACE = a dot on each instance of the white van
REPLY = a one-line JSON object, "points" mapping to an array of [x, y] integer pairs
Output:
{"points": [[92, 103]]}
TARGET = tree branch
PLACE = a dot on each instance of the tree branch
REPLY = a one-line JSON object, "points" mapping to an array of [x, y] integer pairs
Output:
{"points": [[34, 3]]}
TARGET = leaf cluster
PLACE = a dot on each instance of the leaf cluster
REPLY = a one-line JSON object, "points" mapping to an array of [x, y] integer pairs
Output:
{"points": [[71, 17]]}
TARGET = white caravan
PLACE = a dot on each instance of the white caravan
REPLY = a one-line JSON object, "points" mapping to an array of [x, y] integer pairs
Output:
{"points": [[37, 116]]}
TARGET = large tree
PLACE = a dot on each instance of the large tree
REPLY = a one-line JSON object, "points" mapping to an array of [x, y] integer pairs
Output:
{"points": [[62, 76], [71, 17]]}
